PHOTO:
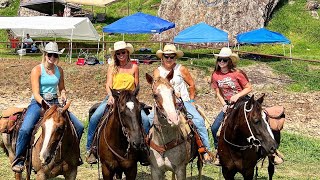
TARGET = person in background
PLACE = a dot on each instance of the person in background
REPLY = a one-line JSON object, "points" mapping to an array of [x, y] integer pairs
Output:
{"points": [[27, 42], [122, 75], [181, 79], [46, 79]]}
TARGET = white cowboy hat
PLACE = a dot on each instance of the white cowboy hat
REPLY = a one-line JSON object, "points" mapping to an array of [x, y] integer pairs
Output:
{"points": [[227, 52], [169, 49], [122, 45], [52, 47]]}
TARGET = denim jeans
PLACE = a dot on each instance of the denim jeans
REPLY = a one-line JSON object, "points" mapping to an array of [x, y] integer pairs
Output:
{"points": [[95, 119], [31, 118], [197, 120], [215, 127]]}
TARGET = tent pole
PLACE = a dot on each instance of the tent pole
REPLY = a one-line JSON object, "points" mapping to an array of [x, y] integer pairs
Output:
{"points": [[103, 45], [284, 52], [291, 53], [122, 36], [160, 41], [98, 48], [71, 46]]}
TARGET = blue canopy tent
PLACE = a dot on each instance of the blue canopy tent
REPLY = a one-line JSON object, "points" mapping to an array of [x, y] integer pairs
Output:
{"points": [[139, 23], [262, 36], [201, 33]]}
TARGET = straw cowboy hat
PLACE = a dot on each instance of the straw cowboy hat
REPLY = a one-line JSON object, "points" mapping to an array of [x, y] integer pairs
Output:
{"points": [[122, 45], [169, 49], [52, 47], [227, 52]]}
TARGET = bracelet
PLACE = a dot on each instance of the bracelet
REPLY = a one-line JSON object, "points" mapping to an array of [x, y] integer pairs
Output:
{"points": [[191, 100]]}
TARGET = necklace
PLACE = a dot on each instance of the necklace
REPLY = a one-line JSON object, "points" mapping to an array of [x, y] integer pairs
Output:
{"points": [[122, 66]]}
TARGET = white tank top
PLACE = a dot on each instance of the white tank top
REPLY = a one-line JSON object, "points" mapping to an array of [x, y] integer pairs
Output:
{"points": [[177, 81]]}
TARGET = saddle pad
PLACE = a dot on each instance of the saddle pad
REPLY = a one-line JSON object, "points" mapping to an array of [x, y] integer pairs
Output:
{"points": [[276, 117], [201, 112]]}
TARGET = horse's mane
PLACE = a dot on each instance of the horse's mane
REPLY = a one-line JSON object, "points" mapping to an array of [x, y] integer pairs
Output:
{"points": [[233, 112], [162, 81], [50, 111]]}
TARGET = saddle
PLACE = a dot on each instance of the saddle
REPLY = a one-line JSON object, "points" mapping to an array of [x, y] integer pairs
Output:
{"points": [[276, 117], [9, 117]]}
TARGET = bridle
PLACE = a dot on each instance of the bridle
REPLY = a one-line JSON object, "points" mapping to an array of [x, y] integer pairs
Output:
{"points": [[253, 141]]}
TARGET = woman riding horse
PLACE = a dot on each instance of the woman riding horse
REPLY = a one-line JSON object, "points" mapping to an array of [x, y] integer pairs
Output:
{"points": [[46, 78], [122, 75]]}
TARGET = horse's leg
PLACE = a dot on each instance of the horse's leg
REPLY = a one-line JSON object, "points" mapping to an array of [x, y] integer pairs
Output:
{"points": [[106, 173], [41, 175], [228, 174], [200, 166], [71, 174], [156, 174], [131, 173], [18, 176], [270, 167], [248, 174], [181, 172]]}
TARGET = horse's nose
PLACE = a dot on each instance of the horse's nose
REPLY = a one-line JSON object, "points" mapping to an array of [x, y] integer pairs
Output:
{"points": [[272, 149], [136, 145]]}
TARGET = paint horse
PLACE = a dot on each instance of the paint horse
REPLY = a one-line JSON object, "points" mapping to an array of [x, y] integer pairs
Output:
{"points": [[245, 138], [171, 148]]}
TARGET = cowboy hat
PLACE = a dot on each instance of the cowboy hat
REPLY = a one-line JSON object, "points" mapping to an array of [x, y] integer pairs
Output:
{"points": [[227, 52], [52, 47], [122, 45], [169, 49]]}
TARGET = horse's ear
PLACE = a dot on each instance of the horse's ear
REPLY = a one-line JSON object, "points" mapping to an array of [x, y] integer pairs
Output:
{"points": [[149, 78], [260, 100], [170, 75], [250, 102], [65, 108], [136, 90], [114, 92], [44, 105]]}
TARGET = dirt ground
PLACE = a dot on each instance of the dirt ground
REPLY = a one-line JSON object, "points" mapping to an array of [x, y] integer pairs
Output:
{"points": [[85, 87]]}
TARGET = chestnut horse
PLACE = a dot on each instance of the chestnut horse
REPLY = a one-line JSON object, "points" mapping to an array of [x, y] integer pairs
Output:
{"points": [[56, 151], [171, 149], [245, 138], [121, 137]]}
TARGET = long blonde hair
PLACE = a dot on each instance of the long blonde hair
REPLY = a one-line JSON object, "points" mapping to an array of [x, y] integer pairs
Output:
{"points": [[115, 62]]}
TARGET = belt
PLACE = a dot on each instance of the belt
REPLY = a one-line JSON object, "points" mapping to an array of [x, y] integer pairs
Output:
{"points": [[49, 96]]}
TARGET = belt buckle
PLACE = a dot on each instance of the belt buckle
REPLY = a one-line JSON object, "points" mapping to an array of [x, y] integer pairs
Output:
{"points": [[48, 96]]}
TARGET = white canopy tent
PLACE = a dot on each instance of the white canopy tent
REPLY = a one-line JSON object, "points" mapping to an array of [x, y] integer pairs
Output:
{"points": [[47, 26]]}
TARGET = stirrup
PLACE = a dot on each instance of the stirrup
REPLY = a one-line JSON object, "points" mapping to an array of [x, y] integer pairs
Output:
{"points": [[91, 158]]}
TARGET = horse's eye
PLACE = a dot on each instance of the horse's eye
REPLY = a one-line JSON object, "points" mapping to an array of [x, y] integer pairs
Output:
{"points": [[60, 128], [155, 95], [256, 120]]}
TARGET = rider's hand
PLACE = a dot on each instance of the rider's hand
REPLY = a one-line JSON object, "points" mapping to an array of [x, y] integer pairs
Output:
{"points": [[234, 98], [63, 97], [224, 108], [110, 100]]}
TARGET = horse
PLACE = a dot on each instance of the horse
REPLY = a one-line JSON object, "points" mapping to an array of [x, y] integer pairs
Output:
{"points": [[171, 148], [55, 150], [121, 137], [245, 138]]}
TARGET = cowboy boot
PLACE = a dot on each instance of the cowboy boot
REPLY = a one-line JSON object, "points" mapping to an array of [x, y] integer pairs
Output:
{"points": [[91, 156]]}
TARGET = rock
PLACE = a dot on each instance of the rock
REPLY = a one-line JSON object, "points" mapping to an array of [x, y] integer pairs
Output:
{"points": [[233, 16], [4, 3], [312, 5]]}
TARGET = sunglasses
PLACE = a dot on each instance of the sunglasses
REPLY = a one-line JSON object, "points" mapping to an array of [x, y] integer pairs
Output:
{"points": [[169, 56], [53, 54], [121, 52], [223, 59]]}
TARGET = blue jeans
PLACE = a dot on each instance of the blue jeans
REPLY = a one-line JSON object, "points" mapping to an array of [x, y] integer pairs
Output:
{"points": [[31, 118], [95, 119], [197, 120], [215, 127]]}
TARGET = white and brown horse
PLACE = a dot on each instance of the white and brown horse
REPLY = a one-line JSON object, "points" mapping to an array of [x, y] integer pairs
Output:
{"points": [[171, 148]]}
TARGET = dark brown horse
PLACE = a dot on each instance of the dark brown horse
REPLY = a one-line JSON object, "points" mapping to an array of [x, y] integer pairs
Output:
{"points": [[172, 147], [245, 138], [56, 150], [121, 136]]}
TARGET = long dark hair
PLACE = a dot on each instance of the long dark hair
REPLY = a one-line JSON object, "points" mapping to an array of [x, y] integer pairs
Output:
{"points": [[231, 66]]}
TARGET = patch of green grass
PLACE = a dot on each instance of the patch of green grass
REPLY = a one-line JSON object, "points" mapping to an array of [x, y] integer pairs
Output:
{"points": [[306, 75]]}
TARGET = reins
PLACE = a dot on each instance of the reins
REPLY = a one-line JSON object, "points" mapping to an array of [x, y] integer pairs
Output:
{"points": [[252, 139]]}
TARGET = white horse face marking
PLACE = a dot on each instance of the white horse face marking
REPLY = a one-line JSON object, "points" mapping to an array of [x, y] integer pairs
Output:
{"points": [[167, 104], [48, 131], [264, 117], [130, 105]]}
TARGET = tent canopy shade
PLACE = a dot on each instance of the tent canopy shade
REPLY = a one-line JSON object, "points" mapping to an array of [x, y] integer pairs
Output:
{"points": [[201, 33], [48, 26], [48, 6], [92, 2], [260, 36], [139, 23]]}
